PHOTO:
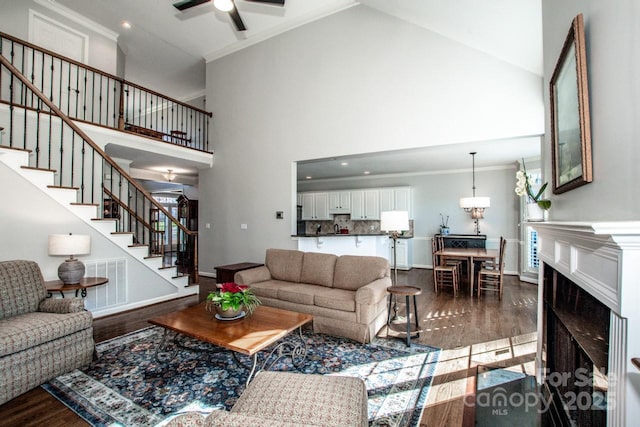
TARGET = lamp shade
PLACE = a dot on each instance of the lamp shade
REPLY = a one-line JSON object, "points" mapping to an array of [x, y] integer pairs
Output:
{"points": [[69, 244], [475, 202], [394, 221]]}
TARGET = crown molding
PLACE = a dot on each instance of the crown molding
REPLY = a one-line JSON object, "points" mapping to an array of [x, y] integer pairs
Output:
{"points": [[79, 19]]}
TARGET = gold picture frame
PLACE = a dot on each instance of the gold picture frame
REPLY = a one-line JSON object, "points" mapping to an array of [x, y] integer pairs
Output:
{"points": [[570, 122]]}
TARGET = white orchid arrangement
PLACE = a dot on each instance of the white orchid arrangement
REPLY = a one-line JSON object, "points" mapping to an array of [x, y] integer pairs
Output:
{"points": [[524, 188]]}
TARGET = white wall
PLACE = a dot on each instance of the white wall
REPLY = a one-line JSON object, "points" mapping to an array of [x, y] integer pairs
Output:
{"points": [[14, 20], [612, 31], [357, 81], [29, 216], [436, 193]]}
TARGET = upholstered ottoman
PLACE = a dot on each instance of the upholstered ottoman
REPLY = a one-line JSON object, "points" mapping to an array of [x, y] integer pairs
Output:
{"points": [[291, 399]]}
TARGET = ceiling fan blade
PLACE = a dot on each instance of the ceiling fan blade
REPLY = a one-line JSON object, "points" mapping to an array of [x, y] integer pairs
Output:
{"points": [[276, 2], [235, 17], [186, 4]]}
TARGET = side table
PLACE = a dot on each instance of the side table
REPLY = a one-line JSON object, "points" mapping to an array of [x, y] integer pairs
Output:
{"points": [[225, 273], [406, 327], [85, 282]]}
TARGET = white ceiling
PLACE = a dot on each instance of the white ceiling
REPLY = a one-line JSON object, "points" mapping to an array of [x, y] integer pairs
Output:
{"points": [[432, 159], [180, 44]]}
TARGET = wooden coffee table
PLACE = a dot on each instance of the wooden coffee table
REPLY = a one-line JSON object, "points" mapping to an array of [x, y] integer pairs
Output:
{"points": [[250, 335]]}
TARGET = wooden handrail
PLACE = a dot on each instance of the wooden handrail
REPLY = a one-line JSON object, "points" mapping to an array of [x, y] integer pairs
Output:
{"points": [[97, 71], [91, 143]]}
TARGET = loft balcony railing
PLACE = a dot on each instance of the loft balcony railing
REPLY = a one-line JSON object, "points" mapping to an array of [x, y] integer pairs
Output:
{"points": [[56, 143], [89, 95]]}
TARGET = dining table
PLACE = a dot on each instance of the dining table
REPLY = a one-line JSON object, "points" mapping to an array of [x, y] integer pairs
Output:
{"points": [[471, 255]]}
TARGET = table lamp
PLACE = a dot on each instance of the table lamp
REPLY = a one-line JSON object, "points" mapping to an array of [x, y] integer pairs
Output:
{"points": [[394, 222], [72, 269]]}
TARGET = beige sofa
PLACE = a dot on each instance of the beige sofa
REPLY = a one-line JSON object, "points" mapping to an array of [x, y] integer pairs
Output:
{"points": [[286, 399], [346, 295], [40, 337]]}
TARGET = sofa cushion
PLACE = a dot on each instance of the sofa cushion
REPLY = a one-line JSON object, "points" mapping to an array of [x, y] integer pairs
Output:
{"points": [[230, 419], [337, 299], [300, 293], [354, 271], [31, 329], [284, 264], [21, 288], [317, 268], [269, 288], [305, 399]]}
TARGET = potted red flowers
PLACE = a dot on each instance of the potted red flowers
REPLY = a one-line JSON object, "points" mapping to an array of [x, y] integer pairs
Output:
{"points": [[231, 299]]}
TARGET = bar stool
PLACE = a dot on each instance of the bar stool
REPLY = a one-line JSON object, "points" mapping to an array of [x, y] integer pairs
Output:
{"points": [[405, 328]]}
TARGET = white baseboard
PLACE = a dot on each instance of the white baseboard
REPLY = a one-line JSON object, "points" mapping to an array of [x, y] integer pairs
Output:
{"points": [[126, 307]]}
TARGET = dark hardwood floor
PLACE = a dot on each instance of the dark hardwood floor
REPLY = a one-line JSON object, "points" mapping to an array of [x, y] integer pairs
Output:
{"points": [[469, 332]]}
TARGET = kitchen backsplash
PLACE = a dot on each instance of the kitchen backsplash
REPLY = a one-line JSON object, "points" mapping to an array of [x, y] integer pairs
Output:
{"points": [[354, 227]]}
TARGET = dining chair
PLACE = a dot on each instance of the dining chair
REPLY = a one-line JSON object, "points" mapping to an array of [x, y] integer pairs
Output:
{"points": [[443, 275], [439, 240], [490, 276]]}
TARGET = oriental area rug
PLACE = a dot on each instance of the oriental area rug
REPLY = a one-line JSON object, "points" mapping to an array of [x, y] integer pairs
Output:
{"points": [[127, 386]]}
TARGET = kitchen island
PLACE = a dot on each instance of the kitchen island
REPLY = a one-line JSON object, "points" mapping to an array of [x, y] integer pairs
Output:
{"points": [[345, 244], [351, 244]]}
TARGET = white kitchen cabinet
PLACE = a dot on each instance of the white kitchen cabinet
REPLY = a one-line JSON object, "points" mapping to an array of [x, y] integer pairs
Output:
{"points": [[396, 199], [387, 200], [402, 200], [365, 205], [315, 206], [340, 202], [404, 252]]}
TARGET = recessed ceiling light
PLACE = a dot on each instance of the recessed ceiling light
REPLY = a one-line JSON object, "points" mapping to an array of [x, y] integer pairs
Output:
{"points": [[308, 177], [125, 24], [344, 163], [367, 172]]}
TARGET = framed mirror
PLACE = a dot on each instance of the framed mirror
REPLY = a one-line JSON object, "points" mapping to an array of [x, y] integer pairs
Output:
{"points": [[570, 124]]}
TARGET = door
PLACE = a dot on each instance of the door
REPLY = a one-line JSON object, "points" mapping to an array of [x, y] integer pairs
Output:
{"points": [[357, 205], [308, 207], [402, 200], [371, 204], [340, 202], [321, 206], [387, 200]]}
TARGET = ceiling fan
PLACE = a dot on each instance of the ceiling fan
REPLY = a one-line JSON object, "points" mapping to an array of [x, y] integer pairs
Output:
{"points": [[225, 6]]}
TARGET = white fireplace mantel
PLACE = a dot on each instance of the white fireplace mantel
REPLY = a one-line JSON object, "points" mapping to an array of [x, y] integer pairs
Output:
{"points": [[603, 258]]}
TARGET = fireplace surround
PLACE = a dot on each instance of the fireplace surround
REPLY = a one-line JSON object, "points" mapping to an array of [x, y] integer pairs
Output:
{"points": [[600, 261]]}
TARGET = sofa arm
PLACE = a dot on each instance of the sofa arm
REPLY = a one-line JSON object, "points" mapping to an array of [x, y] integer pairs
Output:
{"points": [[252, 275], [61, 305], [372, 293]]}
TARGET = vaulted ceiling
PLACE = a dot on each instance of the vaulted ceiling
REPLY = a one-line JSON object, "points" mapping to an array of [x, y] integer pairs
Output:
{"points": [[179, 43]]}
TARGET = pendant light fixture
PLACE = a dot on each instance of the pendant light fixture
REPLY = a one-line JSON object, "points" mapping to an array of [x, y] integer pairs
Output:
{"points": [[475, 205]]}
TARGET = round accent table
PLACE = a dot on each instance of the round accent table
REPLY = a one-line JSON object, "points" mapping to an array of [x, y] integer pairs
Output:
{"points": [[85, 283], [404, 327]]}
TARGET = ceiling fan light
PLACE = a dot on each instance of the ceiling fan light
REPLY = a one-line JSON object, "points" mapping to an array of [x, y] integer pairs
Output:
{"points": [[223, 5]]}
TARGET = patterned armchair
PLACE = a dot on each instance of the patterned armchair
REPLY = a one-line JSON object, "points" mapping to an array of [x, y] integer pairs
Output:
{"points": [[40, 338]]}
